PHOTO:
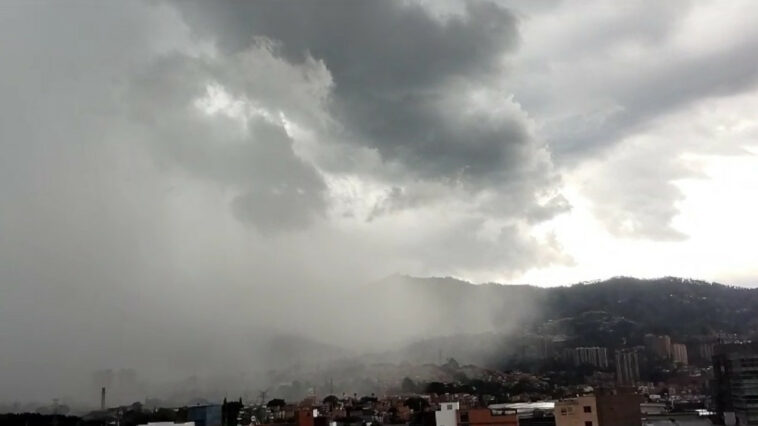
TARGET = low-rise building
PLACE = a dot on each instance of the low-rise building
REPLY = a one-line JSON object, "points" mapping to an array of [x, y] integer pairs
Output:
{"points": [[579, 411], [538, 413], [489, 417], [606, 408], [447, 415]]}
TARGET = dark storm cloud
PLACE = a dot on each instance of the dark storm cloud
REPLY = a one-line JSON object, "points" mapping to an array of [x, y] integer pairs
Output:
{"points": [[394, 45], [398, 73]]}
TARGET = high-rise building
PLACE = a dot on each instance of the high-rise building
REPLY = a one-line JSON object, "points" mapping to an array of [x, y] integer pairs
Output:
{"points": [[659, 346], [627, 367], [594, 356], [679, 353], [735, 383]]}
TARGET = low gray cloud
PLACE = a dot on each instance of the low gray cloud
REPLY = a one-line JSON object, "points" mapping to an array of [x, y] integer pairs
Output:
{"points": [[184, 114]]}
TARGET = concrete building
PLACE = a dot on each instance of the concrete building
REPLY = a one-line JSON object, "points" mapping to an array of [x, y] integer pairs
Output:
{"points": [[489, 417], [627, 367], [679, 353], [447, 415], [735, 383], [605, 408], [659, 346], [579, 411]]}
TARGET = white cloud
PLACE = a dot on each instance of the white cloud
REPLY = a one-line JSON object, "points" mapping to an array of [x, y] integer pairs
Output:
{"points": [[710, 169]]}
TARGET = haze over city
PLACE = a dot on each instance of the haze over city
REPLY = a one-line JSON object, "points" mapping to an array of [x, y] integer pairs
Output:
{"points": [[183, 181]]}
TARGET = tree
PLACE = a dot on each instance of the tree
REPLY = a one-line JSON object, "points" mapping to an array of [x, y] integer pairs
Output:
{"points": [[332, 401]]}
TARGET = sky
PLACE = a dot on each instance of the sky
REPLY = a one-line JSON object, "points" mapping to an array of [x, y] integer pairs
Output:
{"points": [[160, 159]]}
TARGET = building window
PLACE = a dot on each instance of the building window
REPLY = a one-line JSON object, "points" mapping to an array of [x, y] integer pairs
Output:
{"points": [[588, 423], [449, 406], [563, 411], [587, 409]]}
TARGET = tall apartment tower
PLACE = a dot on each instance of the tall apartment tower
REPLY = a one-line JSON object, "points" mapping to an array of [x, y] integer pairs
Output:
{"points": [[735, 383], [595, 356], [679, 353], [627, 367]]}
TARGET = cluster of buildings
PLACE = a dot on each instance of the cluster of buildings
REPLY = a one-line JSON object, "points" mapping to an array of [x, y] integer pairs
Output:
{"points": [[726, 391], [629, 362], [612, 407]]}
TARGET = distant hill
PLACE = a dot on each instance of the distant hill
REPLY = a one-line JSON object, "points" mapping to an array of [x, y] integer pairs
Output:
{"points": [[602, 312], [428, 320], [444, 306], [502, 326], [675, 306]]}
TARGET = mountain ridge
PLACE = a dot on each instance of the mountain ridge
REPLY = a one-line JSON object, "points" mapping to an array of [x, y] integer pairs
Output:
{"points": [[667, 305]]}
